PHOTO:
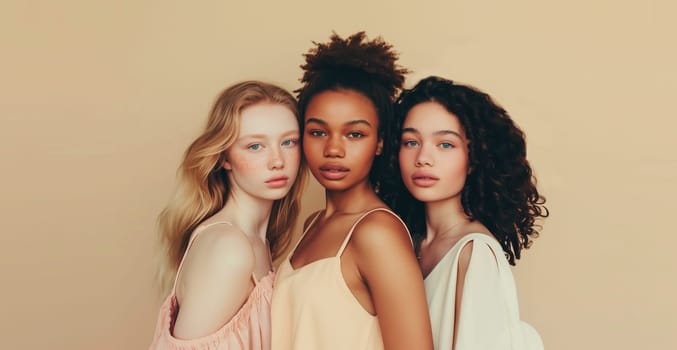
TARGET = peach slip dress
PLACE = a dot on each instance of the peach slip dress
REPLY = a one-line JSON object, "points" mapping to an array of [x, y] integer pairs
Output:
{"points": [[248, 329], [313, 308]]}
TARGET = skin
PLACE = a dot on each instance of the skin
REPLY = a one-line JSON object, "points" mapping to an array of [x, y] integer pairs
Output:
{"points": [[340, 142], [434, 166], [216, 278]]}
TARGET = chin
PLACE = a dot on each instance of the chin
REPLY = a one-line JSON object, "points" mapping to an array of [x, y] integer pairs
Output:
{"points": [[427, 196], [332, 186], [275, 194]]}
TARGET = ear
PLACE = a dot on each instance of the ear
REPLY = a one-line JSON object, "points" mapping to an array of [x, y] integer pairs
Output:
{"points": [[379, 147], [226, 164]]}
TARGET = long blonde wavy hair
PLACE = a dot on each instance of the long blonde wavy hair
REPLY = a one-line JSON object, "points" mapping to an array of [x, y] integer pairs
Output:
{"points": [[202, 185]]}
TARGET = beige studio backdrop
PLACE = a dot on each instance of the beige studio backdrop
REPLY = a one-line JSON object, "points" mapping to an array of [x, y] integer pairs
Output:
{"points": [[98, 100]]}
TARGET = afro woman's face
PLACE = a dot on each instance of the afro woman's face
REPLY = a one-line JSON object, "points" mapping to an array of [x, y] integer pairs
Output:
{"points": [[433, 153], [341, 138]]}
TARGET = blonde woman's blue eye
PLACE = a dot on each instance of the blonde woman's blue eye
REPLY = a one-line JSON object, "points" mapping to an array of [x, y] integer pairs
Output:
{"points": [[255, 147], [290, 142]]}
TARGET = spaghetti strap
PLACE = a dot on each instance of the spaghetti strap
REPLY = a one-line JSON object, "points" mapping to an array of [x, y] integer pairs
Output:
{"points": [[350, 233], [293, 250], [193, 236]]}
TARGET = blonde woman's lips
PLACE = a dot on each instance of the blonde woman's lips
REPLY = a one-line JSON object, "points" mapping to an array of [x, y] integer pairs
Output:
{"points": [[277, 181]]}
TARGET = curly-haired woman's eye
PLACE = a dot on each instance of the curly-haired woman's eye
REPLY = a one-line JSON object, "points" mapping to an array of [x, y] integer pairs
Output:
{"points": [[446, 145], [410, 143]]}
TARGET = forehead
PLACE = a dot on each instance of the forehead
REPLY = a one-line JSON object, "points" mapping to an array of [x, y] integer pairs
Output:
{"points": [[340, 106], [267, 118], [431, 117]]}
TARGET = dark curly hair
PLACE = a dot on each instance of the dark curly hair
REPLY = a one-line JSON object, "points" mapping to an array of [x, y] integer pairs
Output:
{"points": [[364, 66], [500, 189]]}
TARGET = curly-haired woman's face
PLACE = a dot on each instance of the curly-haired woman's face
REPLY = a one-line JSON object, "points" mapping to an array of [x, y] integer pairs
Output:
{"points": [[433, 153], [340, 138], [264, 160]]}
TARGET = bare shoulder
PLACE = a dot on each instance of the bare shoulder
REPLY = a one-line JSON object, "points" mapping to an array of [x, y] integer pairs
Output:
{"points": [[379, 228], [384, 258], [378, 238], [214, 282], [219, 252]]}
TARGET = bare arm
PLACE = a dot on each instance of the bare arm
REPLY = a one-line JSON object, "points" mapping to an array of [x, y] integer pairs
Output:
{"points": [[386, 260], [215, 281], [482, 319], [463, 262]]}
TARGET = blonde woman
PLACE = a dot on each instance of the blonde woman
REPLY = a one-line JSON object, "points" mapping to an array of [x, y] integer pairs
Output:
{"points": [[237, 198]]}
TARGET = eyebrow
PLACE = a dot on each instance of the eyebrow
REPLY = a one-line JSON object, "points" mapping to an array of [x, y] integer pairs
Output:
{"points": [[352, 122], [264, 136], [436, 133]]}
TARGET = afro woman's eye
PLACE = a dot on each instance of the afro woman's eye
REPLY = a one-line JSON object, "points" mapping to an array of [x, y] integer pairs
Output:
{"points": [[317, 133]]}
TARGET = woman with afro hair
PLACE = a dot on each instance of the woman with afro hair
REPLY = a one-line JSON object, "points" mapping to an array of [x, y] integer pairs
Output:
{"points": [[471, 206], [352, 281]]}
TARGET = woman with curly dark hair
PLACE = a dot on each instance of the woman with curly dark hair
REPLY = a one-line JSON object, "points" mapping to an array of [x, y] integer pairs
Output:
{"points": [[471, 206], [352, 282]]}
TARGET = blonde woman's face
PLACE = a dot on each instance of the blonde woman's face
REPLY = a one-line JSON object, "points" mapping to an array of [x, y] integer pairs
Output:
{"points": [[264, 160]]}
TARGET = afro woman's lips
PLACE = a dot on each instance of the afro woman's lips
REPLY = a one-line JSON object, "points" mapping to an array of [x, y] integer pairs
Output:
{"points": [[333, 171]]}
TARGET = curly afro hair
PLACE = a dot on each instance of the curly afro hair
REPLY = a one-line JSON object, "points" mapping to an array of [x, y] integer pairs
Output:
{"points": [[361, 65], [500, 190]]}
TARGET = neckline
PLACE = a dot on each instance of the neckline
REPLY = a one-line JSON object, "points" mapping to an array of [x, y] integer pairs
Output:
{"points": [[293, 251], [291, 267], [439, 262], [343, 244], [463, 240]]}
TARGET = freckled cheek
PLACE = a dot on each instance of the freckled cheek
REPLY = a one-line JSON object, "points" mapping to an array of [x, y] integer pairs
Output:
{"points": [[249, 165]]}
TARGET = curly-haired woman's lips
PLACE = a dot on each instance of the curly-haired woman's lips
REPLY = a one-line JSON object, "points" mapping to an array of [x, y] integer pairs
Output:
{"points": [[333, 172], [423, 179]]}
